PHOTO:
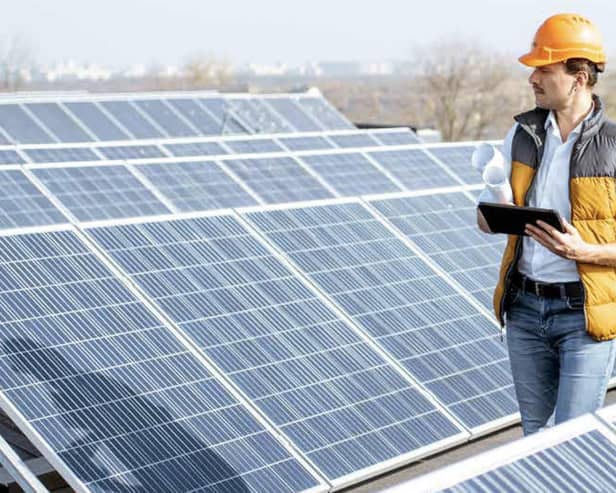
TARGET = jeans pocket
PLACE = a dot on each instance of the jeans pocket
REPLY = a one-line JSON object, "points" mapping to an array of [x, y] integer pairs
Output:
{"points": [[575, 302], [512, 296]]}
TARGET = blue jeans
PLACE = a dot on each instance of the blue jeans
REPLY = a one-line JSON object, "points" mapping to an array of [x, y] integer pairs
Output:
{"points": [[557, 367]]}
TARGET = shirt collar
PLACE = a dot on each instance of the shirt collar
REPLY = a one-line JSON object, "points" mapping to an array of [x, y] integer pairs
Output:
{"points": [[551, 123]]}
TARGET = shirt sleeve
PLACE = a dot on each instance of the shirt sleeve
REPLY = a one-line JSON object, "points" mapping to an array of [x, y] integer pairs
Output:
{"points": [[486, 194]]}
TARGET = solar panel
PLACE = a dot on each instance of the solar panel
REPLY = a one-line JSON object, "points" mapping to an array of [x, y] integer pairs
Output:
{"points": [[118, 403], [131, 152], [575, 456], [441, 339], [350, 174], [61, 154], [354, 140], [305, 143], [100, 192], [219, 108], [10, 157], [97, 122], [131, 119], [414, 168], [165, 117], [608, 413], [22, 204], [258, 116], [458, 159], [196, 115], [279, 179], [324, 114], [337, 400], [197, 186], [195, 149], [400, 137], [58, 122], [21, 127], [291, 111], [253, 146], [444, 226]]}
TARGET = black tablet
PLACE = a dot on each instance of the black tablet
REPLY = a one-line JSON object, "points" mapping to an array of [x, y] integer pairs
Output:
{"points": [[511, 219]]}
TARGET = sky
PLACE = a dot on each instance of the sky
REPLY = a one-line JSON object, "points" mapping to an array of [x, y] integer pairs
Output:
{"points": [[126, 32]]}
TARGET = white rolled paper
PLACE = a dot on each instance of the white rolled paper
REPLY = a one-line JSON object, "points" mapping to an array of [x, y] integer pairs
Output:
{"points": [[490, 163]]}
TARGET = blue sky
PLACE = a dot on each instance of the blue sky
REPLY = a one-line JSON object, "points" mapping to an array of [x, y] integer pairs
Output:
{"points": [[168, 31]]}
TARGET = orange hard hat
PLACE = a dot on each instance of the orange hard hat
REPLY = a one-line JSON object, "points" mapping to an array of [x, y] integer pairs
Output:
{"points": [[565, 36]]}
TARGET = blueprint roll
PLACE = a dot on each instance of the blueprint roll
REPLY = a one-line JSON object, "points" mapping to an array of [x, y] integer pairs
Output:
{"points": [[490, 163], [486, 155]]}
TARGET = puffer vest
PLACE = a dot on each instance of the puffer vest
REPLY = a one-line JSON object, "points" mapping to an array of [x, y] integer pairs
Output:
{"points": [[592, 193]]}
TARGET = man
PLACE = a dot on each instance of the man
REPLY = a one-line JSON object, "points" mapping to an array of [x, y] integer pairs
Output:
{"points": [[558, 290]]}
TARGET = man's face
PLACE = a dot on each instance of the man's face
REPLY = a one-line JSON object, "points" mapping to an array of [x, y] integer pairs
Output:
{"points": [[552, 85]]}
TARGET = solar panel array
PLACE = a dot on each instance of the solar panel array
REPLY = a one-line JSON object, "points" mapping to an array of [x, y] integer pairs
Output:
{"points": [[304, 341]]}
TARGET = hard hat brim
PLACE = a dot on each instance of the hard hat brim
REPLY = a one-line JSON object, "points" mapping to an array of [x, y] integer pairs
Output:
{"points": [[531, 60]]}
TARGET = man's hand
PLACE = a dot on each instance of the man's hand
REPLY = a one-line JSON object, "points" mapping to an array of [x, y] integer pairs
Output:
{"points": [[569, 244], [482, 223]]}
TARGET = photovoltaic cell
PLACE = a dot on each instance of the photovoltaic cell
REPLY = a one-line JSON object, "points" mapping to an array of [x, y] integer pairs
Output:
{"points": [[21, 127], [59, 155], [253, 146], [413, 313], [291, 111], [131, 119], [414, 168], [22, 204], [350, 174], [322, 112], [401, 137], [322, 385], [197, 186], [278, 179], [197, 115], [164, 116], [100, 192], [195, 149], [444, 226], [305, 143], [258, 116], [97, 122], [458, 159], [58, 122], [354, 140], [219, 108], [10, 157], [112, 392], [131, 152]]}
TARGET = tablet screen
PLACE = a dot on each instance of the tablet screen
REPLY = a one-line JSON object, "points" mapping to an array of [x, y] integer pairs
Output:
{"points": [[511, 219]]}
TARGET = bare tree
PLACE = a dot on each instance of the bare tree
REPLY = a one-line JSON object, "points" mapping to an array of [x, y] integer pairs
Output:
{"points": [[15, 59], [205, 72]]}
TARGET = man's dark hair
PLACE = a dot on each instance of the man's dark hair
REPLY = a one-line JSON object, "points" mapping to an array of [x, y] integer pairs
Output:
{"points": [[575, 65]]}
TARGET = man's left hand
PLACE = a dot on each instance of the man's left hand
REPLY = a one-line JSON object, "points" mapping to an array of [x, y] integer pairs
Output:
{"points": [[569, 244]]}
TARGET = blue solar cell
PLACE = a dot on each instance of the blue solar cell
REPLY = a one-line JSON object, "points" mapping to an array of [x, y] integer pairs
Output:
{"points": [[10, 157], [258, 116], [458, 159], [22, 204], [131, 119], [324, 114], [414, 168], [195, 149], [131, 152], [97, 122], [112, 392], [254, 146], [306, 143], [350, 174], [197, 115], [442, 340], [278, 179], [21, 127], [165, 117], [318, 381], [219, 109], [58, 122], [100, 192], [291, 111], [401, 137], [354, 140], [444, 226], [58, 155], [197, 186]]}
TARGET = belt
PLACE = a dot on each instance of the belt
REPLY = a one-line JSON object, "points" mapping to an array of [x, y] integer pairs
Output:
{"points": [[573, 289]]}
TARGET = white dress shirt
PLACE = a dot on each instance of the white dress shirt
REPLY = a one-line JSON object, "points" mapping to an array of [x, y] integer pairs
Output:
{"points": [[551, 191]]}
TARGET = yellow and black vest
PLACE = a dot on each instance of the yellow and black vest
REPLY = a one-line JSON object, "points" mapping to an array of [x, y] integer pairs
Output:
{"points": [[592, 193]]}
